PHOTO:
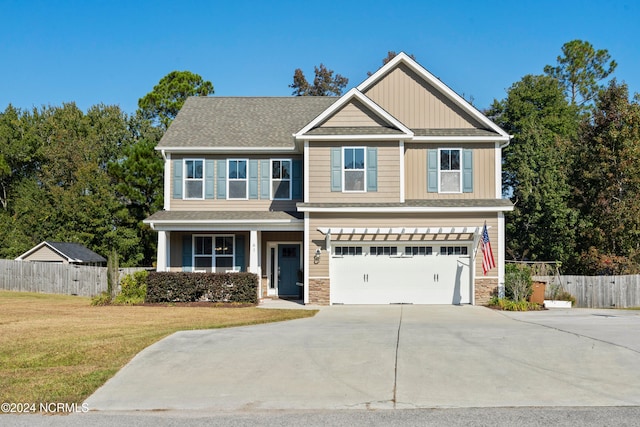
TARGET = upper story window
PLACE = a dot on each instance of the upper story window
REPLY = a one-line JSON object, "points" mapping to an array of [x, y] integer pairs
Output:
{"points": [[237, 180], [193, 179], [450, 171], [281, 179], [354, 169]]}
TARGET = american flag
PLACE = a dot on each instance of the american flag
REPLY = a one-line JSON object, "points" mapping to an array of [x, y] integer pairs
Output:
{"points": [[487, 254]]}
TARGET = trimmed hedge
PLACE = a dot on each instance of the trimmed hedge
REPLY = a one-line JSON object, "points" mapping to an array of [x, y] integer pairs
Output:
{"points": [[191, 287]]}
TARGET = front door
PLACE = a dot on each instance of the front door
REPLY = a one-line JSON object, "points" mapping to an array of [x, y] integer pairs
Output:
{"points": [[288, 267]]}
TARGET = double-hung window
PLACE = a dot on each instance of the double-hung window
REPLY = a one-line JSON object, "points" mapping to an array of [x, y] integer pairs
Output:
{"points": [[193, 179], [450, 170], [237, 182], [224, 253], [213, 253], [354, 169], [281, 179], [202, 253]]}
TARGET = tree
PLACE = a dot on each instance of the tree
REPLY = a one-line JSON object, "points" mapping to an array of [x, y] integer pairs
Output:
{"points": [[580, 69], [324, 83], [608, 183], [18, 148], [536, 169], [390, 55], [162, 104], [138, 177]]}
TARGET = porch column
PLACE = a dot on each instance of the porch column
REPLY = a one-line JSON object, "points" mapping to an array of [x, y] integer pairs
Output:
{"points": [[254, 252], [163, 254]]}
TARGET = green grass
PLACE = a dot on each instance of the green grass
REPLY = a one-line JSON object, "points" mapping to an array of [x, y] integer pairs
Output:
{"points": [[56, 348]]}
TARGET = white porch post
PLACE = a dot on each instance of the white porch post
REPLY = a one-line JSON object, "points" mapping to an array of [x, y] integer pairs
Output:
{"points": [[163, 251], [254, 251]]}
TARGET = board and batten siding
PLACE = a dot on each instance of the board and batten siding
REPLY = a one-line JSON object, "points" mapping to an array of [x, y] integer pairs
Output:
{"points": [[484, 171], [390, 220], [217, 204], [354, 114], [417, 105], [388, 171]]}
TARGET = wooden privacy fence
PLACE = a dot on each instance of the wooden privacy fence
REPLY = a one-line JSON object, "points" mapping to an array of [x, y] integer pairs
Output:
{"points": [[54, 278], [601, 291]]}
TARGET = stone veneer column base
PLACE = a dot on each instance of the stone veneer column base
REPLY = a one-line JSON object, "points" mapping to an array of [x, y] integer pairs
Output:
{"points": [[319, 291], [485, 289]]}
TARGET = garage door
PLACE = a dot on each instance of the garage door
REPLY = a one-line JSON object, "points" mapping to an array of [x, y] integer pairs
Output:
{"points": [[396, 274]]}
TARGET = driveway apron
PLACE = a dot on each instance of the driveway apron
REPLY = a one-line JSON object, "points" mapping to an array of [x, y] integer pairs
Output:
{"points": [[377, 357]]}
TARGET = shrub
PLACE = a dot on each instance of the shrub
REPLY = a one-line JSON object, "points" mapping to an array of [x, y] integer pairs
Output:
{"points": [[190, 287], [565, 296], [133, 288], [518, 285], [510, 305], [103, 298]]}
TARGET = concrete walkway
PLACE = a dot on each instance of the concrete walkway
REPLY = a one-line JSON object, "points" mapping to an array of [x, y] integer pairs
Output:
{"points": [[387, 357]]}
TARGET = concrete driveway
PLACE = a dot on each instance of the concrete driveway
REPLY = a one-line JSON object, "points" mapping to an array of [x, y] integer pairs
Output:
{"points": [[383, 357]]}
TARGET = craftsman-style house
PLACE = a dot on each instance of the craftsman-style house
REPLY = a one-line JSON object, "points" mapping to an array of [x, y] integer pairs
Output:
{"points": [[375, 197]]}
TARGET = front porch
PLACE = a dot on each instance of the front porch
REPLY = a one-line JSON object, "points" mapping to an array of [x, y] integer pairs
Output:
{"points": [[269, 244]]}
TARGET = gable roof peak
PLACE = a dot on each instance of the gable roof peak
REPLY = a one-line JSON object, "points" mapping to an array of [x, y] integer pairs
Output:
{"points": [[435, 82], [352, 94]]}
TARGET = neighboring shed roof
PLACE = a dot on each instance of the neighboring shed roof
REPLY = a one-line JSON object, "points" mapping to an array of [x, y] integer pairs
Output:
{"points": [[232, 122], [73, 252]]}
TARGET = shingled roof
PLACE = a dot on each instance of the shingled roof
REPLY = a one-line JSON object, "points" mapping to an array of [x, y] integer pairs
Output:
{"points": [[75, 253], [232, 122]]}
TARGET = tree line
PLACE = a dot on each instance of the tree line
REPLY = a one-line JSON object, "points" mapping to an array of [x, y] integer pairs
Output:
{"points": [[572, 168], [88, 177]]}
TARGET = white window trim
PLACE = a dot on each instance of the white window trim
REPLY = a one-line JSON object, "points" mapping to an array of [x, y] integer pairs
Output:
{"points": [[213, 251], [440, 171], [364, 170], [185, 179], [246, 180], [271, 179]]}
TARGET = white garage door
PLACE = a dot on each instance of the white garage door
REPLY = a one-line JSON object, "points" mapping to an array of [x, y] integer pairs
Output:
{"points": [[394, 274]]}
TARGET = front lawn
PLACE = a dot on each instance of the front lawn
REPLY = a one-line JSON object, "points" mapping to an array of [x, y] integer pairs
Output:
{"points": [[56, 348]]}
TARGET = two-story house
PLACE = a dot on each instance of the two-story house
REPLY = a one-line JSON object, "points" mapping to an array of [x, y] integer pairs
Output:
{"points": [[375, 197]]}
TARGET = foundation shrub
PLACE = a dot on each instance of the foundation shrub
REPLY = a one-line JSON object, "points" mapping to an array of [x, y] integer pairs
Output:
{"points": [[133, 288], [192, 287]]}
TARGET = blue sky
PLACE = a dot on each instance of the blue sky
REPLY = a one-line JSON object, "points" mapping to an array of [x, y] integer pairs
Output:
{"points": [[114, 52]]}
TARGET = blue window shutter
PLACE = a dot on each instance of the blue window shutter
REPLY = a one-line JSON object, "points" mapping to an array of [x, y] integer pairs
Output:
{"points": [[432, 171], [177, 179], [296, 190], [239, 251], [372, 169], [209, 179], [467, 171], [222, 179], [336, 169], [265, 181], [253, 179], [187, 264]]}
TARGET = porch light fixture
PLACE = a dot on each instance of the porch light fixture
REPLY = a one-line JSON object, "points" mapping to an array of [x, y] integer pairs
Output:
{"points": [[316, 257]]}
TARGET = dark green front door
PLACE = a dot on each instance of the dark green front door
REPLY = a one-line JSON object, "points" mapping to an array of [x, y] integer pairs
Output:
{"points": [[288, 266]]}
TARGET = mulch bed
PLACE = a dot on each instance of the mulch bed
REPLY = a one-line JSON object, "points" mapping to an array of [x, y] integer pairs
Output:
{"points": [[198, 304]]}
